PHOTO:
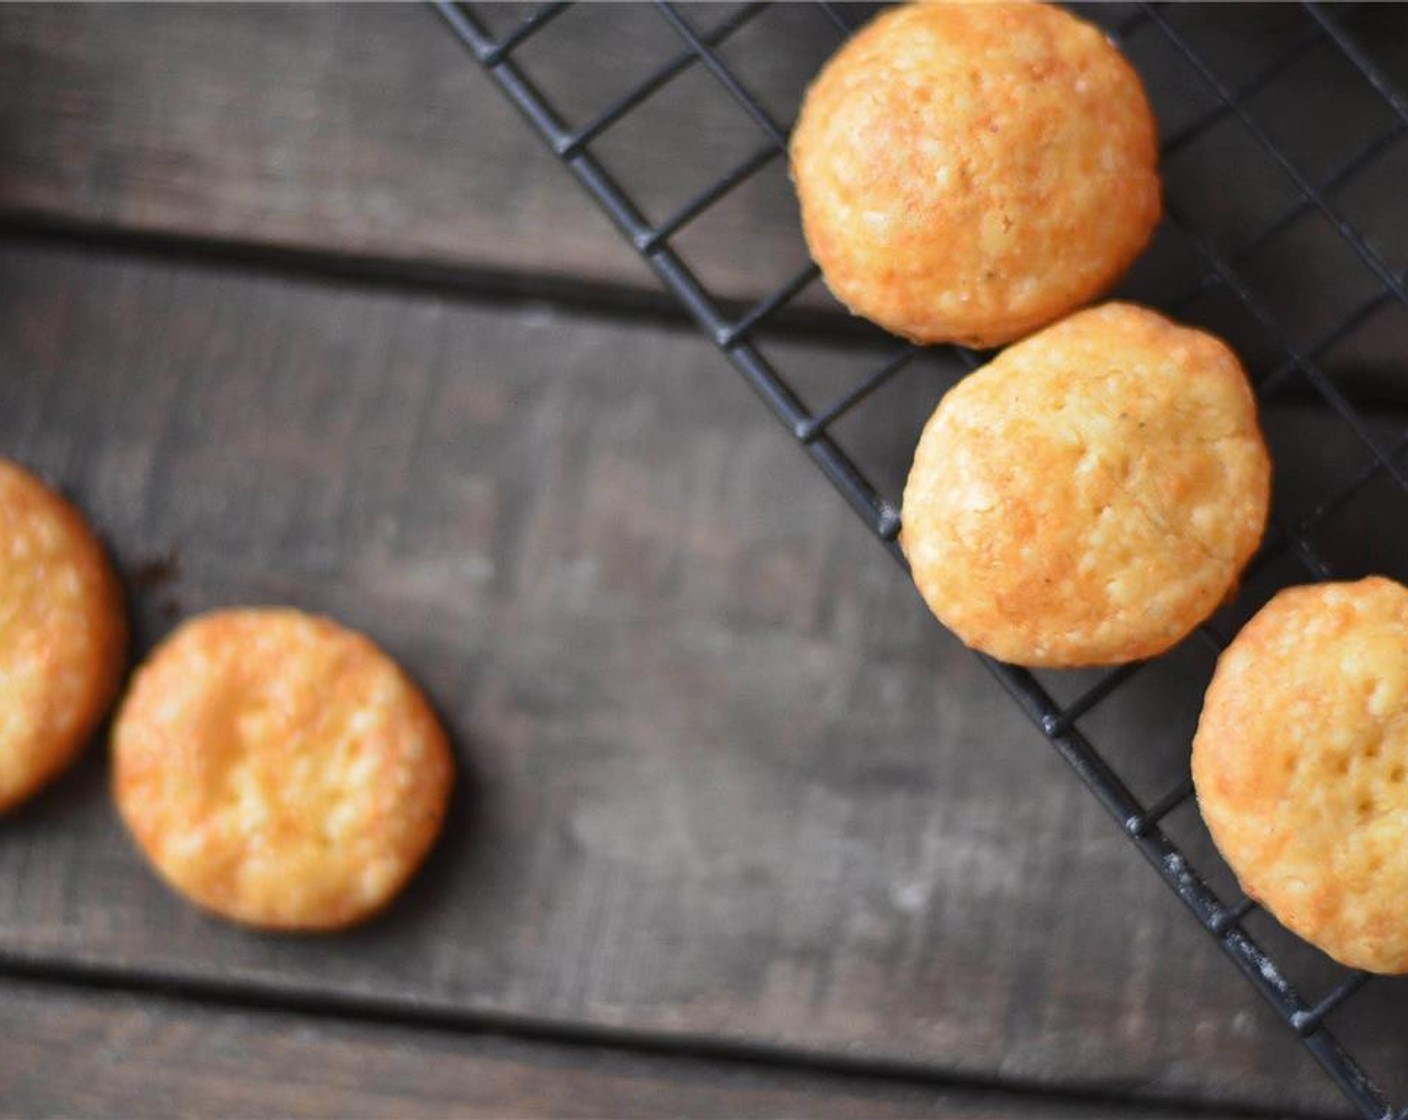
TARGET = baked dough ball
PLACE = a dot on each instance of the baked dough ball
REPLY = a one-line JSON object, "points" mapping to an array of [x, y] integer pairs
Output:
{"points": [[969, 172], [1090, 495], [1301, 766], [279, 769], [63, 634]]}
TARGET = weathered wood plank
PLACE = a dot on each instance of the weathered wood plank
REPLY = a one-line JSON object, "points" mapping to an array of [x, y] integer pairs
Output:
{"points": [[723, 775], [81, 1054], [366, 131]]}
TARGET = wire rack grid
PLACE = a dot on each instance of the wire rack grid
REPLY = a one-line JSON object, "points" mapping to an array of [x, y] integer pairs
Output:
{"points": [[1289, 364]]}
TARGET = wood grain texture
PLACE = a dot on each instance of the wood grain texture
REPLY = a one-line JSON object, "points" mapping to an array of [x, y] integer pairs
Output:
{"points": [[367, 129], [722, 775], [111, 1056]]}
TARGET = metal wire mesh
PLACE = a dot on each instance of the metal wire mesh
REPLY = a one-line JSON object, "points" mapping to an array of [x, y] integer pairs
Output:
{"points": [[1284, 362]]}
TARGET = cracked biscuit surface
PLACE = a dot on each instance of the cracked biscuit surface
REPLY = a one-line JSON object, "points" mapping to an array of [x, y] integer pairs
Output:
{"points": [[63, 634], [1301, 766], [280, 769], [1090, 495], [972, 171]]}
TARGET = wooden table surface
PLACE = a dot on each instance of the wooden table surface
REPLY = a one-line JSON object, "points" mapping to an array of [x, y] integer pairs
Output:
{"points": [[299, 311]]}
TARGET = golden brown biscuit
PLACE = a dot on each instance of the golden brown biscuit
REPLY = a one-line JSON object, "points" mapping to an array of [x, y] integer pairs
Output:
{"points": [[1301, 766], [1091, 495], [63, 634], [970, 172], [279, 769]]}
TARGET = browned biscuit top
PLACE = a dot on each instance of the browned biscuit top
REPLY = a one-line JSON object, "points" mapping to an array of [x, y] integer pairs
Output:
{"points": [[63, 633], [280, 769], [1301, 766], [970, 172], [1090, 495]]}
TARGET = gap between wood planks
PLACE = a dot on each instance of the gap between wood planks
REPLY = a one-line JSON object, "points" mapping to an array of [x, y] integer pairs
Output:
{"points": [[483, 285], [486, 286], [211, 992]]}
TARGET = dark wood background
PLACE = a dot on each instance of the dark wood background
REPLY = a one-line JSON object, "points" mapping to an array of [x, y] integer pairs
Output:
{"points": [[298, 310]]}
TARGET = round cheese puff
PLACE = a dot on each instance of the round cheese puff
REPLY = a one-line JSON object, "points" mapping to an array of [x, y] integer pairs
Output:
{"points": [[969, 172], [1301, 766], [279, 769], [1090, 495], [63, 634]]}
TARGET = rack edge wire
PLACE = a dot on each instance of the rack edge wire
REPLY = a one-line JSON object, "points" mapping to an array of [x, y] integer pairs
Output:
{"points": [[1140, 825]]}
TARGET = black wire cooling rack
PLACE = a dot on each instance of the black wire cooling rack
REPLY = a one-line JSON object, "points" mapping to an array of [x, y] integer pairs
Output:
{"points": [[1283, 363]]}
